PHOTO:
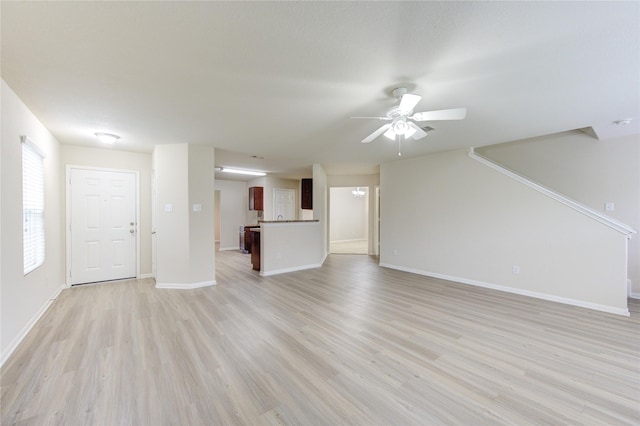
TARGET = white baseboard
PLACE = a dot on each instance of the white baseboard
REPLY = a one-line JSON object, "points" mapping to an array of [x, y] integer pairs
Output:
{"points": [[543, 296], [186, 286], [348, 241], [229, 248], [144, 276], [27, 328], [292, 269], [634, 295]]}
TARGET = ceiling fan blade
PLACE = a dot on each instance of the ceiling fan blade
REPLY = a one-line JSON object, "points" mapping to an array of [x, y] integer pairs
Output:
{"points": [[443, 114], [377, 133], [375, 118], [408, 102], [419, 133]]}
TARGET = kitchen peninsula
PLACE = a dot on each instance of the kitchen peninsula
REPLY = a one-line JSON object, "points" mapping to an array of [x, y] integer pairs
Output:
{"points": [[287, 245]]}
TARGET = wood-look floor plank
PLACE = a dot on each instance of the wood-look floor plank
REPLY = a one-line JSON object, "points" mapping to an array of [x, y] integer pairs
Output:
{"points": [[348, 343]]}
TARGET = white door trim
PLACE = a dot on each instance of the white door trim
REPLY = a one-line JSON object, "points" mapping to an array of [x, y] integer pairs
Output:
{"points": [[69, 167]]}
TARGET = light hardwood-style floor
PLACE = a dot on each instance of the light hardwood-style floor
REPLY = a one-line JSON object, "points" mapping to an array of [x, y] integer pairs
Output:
{"points": [[348, 343], [349, 247]]}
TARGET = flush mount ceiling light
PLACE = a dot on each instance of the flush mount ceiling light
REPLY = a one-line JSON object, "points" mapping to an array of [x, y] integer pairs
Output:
{"points": [[107, 138], [242, 172]]}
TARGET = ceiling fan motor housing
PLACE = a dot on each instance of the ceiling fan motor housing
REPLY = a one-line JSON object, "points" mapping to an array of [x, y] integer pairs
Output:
{"points": [[399, 92]]}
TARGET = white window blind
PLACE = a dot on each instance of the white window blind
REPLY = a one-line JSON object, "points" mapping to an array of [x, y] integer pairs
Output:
{"points": [[32, 205]]}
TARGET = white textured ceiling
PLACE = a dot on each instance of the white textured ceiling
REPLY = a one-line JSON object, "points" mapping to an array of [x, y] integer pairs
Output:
{"points": [[279, 80]]}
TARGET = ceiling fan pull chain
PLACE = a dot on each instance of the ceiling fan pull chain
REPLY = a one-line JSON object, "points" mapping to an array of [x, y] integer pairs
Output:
{"points": [[400, 137]]}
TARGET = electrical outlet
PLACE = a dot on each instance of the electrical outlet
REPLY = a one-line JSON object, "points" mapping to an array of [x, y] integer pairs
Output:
{"points": [[515, 269], [609, 206]]}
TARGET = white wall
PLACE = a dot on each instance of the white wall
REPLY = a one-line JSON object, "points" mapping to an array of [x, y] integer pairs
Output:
{"points": [[24, 298], [348, 215], [115, 159], [233, 207], [587, 170], [217, 215], [185, 238], [449, 216], [321, 203]]}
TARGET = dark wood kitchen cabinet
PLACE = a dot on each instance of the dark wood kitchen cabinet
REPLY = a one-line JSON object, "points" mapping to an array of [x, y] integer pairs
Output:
{"points": [[306, 194], [255, 248], [247, 237], [256, 198]]}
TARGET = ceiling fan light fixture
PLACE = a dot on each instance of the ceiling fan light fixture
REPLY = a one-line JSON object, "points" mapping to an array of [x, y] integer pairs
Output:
{"points": [[358, 193], [400, 127], [390, 134], [107, 138]]}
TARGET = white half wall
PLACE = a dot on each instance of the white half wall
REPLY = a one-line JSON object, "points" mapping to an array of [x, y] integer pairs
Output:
{"points": [[446, 215], [233, 206], [290, 246], [25, 298], [591, 171]]}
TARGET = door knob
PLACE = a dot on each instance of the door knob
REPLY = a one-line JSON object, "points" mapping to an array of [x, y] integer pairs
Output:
{"points": [[131, 231]]}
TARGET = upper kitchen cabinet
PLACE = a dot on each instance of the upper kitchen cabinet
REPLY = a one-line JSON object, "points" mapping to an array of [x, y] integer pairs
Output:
{"points": [[306, 194], [256, 198]]}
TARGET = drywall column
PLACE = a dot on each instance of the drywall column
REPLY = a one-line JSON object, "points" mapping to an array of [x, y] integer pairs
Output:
{"points": [[185, 216], [320, 204]]}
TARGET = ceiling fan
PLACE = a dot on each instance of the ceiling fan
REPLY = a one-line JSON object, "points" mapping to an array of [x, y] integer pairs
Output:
{"points": [[402, 119]]}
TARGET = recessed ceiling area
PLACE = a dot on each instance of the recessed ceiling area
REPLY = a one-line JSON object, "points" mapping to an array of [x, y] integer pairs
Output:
{"points": [[272, 84]]}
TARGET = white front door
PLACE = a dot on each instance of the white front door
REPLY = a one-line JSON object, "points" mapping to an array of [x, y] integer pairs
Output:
{"points": [[103, 225], [284, 204]]}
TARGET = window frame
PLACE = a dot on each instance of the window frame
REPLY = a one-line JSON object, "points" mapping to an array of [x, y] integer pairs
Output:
{"points": [[33, 205]]}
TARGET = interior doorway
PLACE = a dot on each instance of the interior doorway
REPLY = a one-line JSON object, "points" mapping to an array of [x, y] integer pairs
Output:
{"points": [[349, 220]]}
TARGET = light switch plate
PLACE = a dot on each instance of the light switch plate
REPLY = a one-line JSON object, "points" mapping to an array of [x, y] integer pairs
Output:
{"points": [[197, 207], [168, 208]]}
